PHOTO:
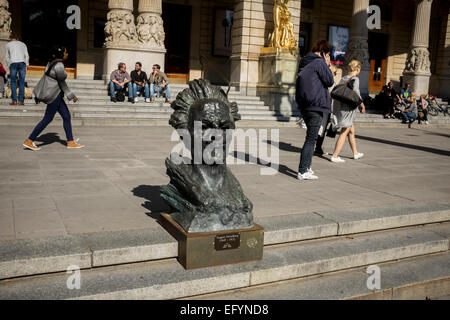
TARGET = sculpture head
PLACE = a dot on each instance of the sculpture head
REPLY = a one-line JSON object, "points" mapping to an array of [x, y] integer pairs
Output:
{"points": [[203, 106]]}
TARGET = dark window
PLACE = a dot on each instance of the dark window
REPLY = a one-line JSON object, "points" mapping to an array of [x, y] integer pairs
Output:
{"points": [[44, 26], [99, 32], [385, 8], [177, 27], [308, 4], [304, 39]]}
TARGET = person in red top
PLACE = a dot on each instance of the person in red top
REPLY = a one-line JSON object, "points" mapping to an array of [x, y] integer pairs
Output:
{"points": [[2, 80]]}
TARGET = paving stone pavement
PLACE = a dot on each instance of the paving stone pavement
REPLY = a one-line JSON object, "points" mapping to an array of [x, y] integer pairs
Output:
{"points": [[113, 183]]}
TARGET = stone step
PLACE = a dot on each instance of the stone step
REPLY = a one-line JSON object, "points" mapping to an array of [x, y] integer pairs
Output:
{"points": [[31, 118], [166, 279], [418, 278], [105, 97], [30, 257], [107, 100], [101, 84], [128, 107]]}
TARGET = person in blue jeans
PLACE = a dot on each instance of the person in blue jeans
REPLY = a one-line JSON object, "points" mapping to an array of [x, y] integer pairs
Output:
{"points": [[410, 113], [158, 83], [55, 92], [313, 100], [120, 79], [16, 56], [139, 80]]}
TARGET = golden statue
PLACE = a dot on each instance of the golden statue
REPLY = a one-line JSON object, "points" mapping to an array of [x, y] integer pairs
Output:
{"points": [[283, 30]]}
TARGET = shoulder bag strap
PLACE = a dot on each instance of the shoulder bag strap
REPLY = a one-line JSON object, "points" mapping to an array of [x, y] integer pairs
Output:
{"points": [[50, 67]]}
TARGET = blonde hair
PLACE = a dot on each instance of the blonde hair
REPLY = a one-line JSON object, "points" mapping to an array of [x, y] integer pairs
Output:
{"points": [[353, 65], [337, 73]]}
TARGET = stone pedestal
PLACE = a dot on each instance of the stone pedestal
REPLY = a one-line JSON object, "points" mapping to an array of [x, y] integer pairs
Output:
{"points": [[130, 56], [206, 249], [419, 82], [417, 67], [277, 76]]}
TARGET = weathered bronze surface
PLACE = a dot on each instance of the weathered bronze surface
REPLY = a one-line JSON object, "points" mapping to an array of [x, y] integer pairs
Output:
{"points": [[198, 250], [205, 197]]}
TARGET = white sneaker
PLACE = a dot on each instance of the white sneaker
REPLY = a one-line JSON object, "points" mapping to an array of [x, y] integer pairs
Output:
{"points": [[307, 176], [147, 100], [358, 156], [426, 122], [337, 160], [310, 170], [136, 99]]}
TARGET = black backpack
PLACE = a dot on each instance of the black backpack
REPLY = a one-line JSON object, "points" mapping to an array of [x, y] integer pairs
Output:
{"points": [[120, 96]]}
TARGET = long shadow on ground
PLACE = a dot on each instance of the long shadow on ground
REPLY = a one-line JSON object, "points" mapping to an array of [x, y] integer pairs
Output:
{"points": [[154, 202], [50, 138], [406, 145], [251, 159]]}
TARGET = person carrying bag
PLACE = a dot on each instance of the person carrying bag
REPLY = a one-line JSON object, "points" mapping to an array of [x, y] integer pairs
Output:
{"points": [[50, 90], [344, 93], [347, 100]]}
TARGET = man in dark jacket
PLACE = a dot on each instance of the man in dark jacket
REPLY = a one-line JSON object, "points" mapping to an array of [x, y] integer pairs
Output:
{"points": [[313, 100]]}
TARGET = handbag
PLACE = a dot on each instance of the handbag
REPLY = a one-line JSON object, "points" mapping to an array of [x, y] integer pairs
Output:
{"points": [[344, 93], [41, 92]]}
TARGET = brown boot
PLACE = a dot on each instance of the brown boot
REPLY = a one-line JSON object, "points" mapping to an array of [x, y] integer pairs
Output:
{"points": [[13, 103], [30, 145], [20, 103], [74, 145]]}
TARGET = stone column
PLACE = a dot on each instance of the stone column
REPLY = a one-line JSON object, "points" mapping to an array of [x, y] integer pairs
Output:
{"points": [[417, 67], [129, 43], [358, 47], [245, 56], [5, 28]]}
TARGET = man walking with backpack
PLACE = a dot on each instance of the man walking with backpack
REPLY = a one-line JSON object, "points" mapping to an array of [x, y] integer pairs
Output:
{"points": [[16, 57], [313, 100]]}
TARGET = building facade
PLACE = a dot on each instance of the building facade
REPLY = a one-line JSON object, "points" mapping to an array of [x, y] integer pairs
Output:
{"points": [[224, 41]]}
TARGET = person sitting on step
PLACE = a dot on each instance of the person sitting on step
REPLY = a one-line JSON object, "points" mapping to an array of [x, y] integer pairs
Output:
{"points": [[120, 80], [422, 112], [410, 113], [158, 83], [139, 80]]}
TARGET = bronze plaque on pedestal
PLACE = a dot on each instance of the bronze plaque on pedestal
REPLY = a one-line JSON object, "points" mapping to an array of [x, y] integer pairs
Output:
{"points": [[205, 249]]}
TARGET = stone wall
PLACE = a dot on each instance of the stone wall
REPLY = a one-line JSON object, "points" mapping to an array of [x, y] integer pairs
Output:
{"points": [[89, 58], [215, 68]]}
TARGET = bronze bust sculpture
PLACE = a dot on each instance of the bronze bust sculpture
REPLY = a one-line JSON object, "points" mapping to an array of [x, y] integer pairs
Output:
{"points": [[205, 197]]}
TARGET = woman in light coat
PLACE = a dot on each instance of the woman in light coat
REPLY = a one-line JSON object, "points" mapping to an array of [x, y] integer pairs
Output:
{"points": [[345, 116]]}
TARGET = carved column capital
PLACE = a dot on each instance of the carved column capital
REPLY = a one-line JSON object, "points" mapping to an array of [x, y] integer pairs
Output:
{"points": [[358, 47], [150, 28], [120, 30], [418, 61], [5, 20]]}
